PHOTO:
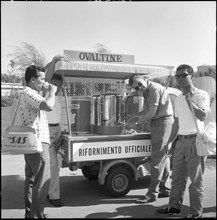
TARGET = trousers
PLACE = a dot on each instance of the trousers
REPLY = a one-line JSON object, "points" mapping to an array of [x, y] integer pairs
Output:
{"points": [[54, 189], [160, 164], [187, 164], [37, 180]]}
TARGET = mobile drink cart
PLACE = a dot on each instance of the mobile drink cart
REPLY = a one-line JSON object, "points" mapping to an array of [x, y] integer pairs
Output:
{"points": [[95, 139]]}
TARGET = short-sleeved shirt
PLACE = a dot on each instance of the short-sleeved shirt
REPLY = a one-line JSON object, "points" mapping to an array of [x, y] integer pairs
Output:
{"points": [[31, 115], [156, 95], [184, 114]]}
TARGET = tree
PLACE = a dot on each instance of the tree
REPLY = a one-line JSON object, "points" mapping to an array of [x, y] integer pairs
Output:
{"points": [[24, 55], [102, 48], [11, 78]]}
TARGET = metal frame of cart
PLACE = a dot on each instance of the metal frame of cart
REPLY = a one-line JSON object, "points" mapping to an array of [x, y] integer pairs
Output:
{"points": [[112, 159]]}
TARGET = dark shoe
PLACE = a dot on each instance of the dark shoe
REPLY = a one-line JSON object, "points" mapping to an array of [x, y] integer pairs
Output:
{"points": [[194, 216], [146, 199], [163, 195], [28, 217], [56, 202], [45, 216], [168, 211]]}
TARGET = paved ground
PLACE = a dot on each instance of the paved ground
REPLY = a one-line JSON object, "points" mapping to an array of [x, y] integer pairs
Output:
{"points": [[87, 199]]}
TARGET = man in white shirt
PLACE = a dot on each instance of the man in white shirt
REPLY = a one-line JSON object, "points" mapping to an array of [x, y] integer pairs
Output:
{"points": [[186, 162], [37, 165], [54, 120]]}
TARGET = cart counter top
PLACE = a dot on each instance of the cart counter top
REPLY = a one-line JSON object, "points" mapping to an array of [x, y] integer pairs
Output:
{"points": [[97, 137]]}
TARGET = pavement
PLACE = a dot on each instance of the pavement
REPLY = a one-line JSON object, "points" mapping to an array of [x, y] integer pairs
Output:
{"points": [[83, 198]]}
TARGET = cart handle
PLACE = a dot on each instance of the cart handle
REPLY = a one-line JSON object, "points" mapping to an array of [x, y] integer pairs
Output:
{"points": [[66, 101]]}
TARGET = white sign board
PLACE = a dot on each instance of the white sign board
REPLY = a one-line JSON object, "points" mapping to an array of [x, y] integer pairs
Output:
{"points": [[88, 151], [99, 57]]}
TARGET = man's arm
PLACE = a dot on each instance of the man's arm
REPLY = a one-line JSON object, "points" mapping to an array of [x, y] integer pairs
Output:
{"points": [[174, 130], [140, 117], [48, 103], [199, 112], [173, 135], [147, 114], [50, 67]]}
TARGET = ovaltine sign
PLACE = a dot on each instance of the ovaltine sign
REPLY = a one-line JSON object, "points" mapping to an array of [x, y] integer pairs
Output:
{"points": [[99, 57]]}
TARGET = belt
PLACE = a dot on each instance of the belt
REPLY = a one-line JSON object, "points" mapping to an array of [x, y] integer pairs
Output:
{"points": [[52, 125], [187, 136]]}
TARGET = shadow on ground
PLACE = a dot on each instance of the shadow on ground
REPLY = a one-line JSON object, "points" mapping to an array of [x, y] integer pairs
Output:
{"points": [[12, 192], [75, 191], [148, 211]]}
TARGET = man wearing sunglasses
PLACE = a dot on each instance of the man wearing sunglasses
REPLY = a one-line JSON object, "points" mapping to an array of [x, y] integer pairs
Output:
{"points": [[186, 162], [158, 109]]}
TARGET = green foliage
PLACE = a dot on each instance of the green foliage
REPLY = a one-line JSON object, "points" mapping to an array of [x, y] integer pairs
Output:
{"points": [[7, 101], [7, 78], [102, 48], [211, 72], [24, 55], [11, 78]]}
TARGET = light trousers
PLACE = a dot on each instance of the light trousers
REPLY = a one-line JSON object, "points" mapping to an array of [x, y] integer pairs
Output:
{"points": [[160, 164], [54, 189], [37, 180], [187, 163]]}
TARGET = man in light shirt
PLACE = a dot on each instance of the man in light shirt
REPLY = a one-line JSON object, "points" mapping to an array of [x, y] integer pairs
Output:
{"points": [[186, 162], [157, 109], [54, 119], [37, 166]]}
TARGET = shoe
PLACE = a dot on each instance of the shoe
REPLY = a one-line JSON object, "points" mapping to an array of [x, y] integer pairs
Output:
{"points": [[146, 199], [163, 195], [45, 216], [56, 202], [167, 211], [194, 216], [27, 216]]}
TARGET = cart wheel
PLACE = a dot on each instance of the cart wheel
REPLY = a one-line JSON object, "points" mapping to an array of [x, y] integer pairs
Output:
{"points": [[118, 181], [90, 172]]}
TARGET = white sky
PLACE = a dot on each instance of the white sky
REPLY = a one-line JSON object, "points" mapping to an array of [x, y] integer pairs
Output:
{"points": [[157, 33]]}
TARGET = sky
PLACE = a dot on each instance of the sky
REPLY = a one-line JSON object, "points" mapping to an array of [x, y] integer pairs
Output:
{"points": [[156, 33]]}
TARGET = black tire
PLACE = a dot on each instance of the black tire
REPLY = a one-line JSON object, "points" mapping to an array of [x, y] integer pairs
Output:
{"points": [[90, 172], [118, 181]]}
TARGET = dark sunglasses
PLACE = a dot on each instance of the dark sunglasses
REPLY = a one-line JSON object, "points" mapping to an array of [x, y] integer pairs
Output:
{"points": [[138, 87], [182, 75]]}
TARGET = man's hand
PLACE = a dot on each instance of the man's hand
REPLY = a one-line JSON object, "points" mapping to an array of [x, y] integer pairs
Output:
{"points": [[132, 122], [58, 144], [58, 57], [50, 67], [132, 116], [52, 88], [168, 150]]}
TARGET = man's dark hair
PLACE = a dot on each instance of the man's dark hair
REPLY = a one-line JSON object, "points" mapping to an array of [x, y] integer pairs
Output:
{"points": [[136, 77], [185, 67], [32, 71], [57, 77]]}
